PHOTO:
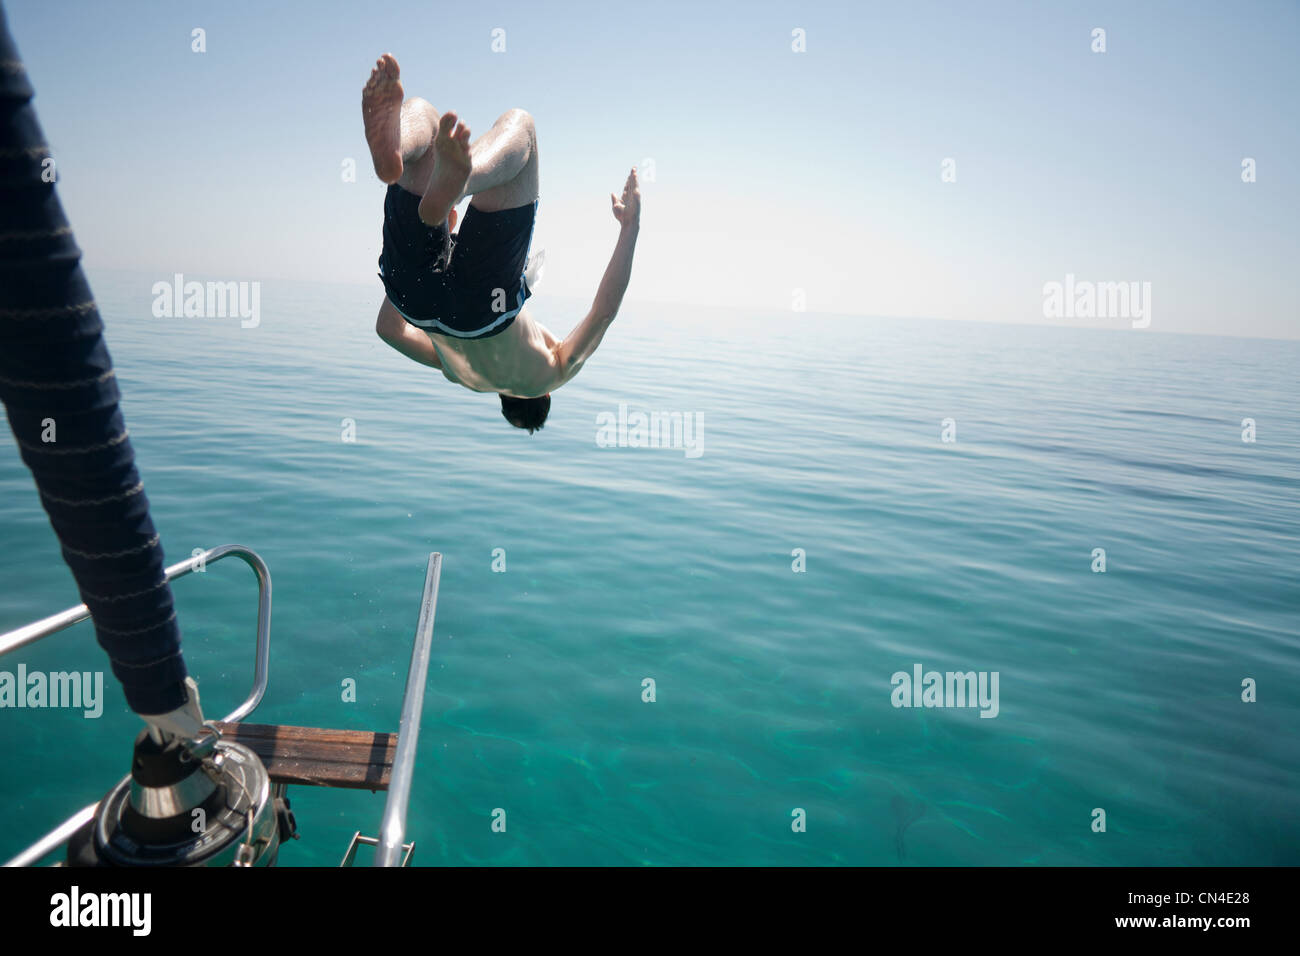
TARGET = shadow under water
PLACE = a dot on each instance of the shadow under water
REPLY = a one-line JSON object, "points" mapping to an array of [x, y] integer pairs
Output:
{"points": [[907, 811]]}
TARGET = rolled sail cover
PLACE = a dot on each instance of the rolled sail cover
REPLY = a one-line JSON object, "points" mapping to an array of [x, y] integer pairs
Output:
{"points": [[61, 397]]}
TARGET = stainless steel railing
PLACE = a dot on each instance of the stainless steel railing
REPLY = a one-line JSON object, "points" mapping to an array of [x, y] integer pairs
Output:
{"points": [[390, 850], [393, 828], [30, 633]]}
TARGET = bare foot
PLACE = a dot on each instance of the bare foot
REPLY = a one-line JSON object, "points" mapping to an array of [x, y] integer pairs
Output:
{"points": [[450, 171], [381, 110]]}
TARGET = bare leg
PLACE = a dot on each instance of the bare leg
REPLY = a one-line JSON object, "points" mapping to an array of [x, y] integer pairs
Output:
{"points": [[451, 169], [419, 127], [499, 169], [398, 132], [505, 173], [381, 110]]}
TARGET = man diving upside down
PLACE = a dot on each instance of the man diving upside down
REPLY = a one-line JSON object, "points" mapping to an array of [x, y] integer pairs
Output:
{"points": [[455, 300]]}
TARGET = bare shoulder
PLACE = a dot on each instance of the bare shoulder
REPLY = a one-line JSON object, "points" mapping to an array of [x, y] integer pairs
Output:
{"points": [[526, 317], [537, 353]]}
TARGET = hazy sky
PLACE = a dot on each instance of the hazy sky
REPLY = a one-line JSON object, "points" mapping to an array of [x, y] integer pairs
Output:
{"points": [[773, 170]]}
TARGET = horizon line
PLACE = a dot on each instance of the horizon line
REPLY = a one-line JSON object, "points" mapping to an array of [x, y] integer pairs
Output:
{"points": [[635, 300]]}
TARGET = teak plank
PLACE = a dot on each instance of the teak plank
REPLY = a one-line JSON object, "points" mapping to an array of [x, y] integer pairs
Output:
{"points": [[319, 757]]}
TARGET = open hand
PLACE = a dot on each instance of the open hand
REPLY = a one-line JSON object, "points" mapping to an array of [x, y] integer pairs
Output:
{"points": [[628, 209]]}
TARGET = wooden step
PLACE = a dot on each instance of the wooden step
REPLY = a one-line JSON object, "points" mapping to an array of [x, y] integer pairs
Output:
{"points": [[317, 757]]}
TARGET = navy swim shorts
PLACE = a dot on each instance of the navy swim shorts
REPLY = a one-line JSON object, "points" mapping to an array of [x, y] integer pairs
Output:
{"points": [[469, 285]]}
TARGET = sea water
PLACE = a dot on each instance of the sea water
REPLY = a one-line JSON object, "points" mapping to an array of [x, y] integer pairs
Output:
{"points": [[645, 654]]}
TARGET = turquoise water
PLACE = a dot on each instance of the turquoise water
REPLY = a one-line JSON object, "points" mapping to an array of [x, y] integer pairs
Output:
{"points": [[1118, 690]]}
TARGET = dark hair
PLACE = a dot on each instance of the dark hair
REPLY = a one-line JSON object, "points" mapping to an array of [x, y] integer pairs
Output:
{"points": [[527, 413]]}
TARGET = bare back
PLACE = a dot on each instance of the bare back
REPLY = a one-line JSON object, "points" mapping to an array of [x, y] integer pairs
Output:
{"points": [[521, 361]]}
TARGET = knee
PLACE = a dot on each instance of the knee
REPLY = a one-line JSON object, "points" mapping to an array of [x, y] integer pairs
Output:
{"points": [[416, 106], [521, 118]]}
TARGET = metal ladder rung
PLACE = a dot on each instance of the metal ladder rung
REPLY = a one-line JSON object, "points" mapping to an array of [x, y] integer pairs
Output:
{"points": [[358, 840]]}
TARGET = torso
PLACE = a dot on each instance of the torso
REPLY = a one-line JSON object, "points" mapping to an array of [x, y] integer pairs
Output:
{"points": [[519, 361]]}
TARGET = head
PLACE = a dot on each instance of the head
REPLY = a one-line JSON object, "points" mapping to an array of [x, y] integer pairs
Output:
{"points": [[527, 413]]}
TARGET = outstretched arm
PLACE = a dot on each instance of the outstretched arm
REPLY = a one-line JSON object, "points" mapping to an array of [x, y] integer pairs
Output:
{"points": [[579, 345]]}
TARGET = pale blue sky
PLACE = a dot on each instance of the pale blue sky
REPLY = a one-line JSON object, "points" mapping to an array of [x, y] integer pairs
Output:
{"points": [[774, 170]]}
